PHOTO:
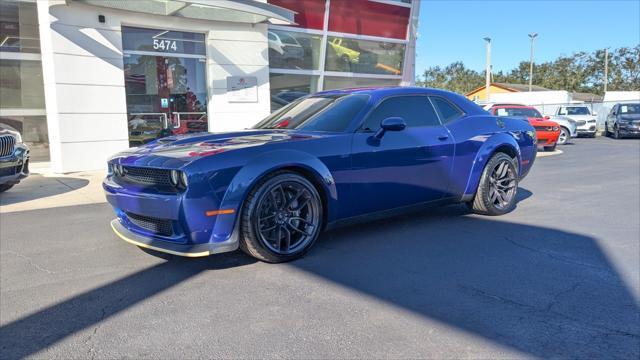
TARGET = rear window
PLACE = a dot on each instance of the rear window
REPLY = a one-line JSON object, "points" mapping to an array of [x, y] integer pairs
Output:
{"points": [[518, 112]]}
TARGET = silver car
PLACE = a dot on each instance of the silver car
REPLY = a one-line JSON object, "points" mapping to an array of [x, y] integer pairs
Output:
{"points": [[568, 128]]}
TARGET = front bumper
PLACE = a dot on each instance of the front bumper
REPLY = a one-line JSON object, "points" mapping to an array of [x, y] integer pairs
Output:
{"points": [[175, 223], [588, 129], [187, 250], [15, 167], [547, 138]]}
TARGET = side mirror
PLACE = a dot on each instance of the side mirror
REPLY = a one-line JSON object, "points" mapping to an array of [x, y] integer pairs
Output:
{"points": [[547, 117], [390, 124]]}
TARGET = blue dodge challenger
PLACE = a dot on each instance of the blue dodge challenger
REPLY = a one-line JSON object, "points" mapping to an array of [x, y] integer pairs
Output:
{"points": [[324, 160]]}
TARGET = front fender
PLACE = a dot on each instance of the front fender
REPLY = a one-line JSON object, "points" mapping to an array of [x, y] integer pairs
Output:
{"points": [[259, 167], [486, 151]]}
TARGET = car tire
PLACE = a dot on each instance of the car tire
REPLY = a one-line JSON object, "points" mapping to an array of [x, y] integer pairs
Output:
{"points": [[493, 197], [550, 148], [616, 133], [5, 187], [281, 218], [564, 136], [606, 130]]}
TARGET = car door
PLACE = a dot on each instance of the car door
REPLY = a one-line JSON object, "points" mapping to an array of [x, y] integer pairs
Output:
{"points": [[403, 167]]}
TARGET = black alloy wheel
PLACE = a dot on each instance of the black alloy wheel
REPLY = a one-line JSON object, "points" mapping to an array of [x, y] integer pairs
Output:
{"points": [[282, 218], [496, 194]]}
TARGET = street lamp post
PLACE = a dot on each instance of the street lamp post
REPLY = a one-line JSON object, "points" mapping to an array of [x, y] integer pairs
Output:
{"points": [[533, 37], [487, 80]]}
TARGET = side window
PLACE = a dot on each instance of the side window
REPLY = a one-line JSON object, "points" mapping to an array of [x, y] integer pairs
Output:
{"points": [[415, 110], [448, 112]]}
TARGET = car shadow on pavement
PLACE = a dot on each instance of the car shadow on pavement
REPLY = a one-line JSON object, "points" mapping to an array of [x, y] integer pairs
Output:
{"points": [[542, 291], [545, 292], [44, 328]]}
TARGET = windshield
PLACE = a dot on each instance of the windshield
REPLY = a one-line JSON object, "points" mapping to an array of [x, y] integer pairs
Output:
{"points": [[518, 112], [331, 113], [630, 109], [575, 110]]}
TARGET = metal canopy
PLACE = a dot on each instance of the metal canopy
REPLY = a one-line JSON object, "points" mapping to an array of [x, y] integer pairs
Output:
{"points": [[243, 11]]}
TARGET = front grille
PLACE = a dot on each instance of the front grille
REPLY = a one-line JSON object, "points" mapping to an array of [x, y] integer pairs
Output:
{"points": [[581, 122], [543, 128], [147, 176], [11, 170], [7, 143], [157, 226]]}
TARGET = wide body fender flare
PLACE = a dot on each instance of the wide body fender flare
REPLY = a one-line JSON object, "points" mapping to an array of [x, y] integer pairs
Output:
{"points": [[489, 147], [259, 167]]}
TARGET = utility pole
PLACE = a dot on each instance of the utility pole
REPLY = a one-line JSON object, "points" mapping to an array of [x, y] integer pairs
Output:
{"points": [[606, 68], [487, 81], [533, 37]]}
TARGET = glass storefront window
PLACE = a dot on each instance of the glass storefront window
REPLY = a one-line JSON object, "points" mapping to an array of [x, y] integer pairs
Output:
{"points": [[364, 56], [165, 96], [337, 82], [33, 130], [19, 27], [285, 88], [21, 88], [293, 50], [21, 84]]}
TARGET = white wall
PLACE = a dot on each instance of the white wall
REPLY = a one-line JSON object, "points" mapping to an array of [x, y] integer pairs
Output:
{"points": [[622, 96], [84, 79]]}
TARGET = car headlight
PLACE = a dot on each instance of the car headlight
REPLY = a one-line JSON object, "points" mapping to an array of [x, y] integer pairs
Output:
{"points": [[555, 128], [174, 178], [149, 132], [183, 179], [591, 121]]}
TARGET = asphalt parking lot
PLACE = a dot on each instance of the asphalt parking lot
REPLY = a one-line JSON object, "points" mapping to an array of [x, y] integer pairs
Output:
{"points": [[557, 278]]}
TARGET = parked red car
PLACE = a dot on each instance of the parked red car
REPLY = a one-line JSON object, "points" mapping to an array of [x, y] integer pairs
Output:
{"points": [[547, 131]]}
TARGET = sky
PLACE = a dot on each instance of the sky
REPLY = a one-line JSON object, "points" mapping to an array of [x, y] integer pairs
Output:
{"points": [[454, 30]]}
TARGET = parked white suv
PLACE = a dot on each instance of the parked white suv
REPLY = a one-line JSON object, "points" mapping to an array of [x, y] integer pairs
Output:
{"points": [[581, 114]]}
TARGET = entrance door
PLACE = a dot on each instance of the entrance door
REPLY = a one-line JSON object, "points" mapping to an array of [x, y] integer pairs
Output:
{"points": [[165, 83]]}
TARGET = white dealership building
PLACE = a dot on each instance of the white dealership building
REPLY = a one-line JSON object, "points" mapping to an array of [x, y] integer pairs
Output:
{"points": [[84, 79]]}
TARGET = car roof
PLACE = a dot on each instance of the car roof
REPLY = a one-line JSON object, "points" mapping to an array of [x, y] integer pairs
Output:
{"points": [[506, 106], [378, 93]]}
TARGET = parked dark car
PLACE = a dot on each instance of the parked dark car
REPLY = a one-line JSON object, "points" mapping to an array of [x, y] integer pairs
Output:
{"points": [[323, 160], [623, 120], [14, 158]]}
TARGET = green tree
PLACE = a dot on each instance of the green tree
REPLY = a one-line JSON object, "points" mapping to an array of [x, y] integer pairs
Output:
{"points": [[581, 72]]}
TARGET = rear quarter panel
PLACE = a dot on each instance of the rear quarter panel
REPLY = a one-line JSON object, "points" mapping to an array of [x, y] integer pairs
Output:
{"points": [[477, 138]]}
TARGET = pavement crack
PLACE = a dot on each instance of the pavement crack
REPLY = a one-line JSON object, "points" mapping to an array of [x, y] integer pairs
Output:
{"points": [[30, 261], [547, 310], [553, 256]]}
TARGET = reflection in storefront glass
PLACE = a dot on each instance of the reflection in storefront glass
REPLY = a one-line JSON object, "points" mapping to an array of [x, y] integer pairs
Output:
{"points": [[165, 96], [363, 56], [293, 50], [285, 88], [21, 88], [335, 82]]}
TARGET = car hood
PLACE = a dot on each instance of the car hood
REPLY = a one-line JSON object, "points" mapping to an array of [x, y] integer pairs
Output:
{"points": [[177, 151], [581, 117], [541, 122]]}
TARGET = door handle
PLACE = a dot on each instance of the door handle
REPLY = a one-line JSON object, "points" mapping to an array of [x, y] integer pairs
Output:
{"points": [[443, 137]]}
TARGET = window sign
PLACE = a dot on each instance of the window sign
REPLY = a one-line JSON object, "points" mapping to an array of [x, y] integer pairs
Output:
{"points": [[164, 41]]}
